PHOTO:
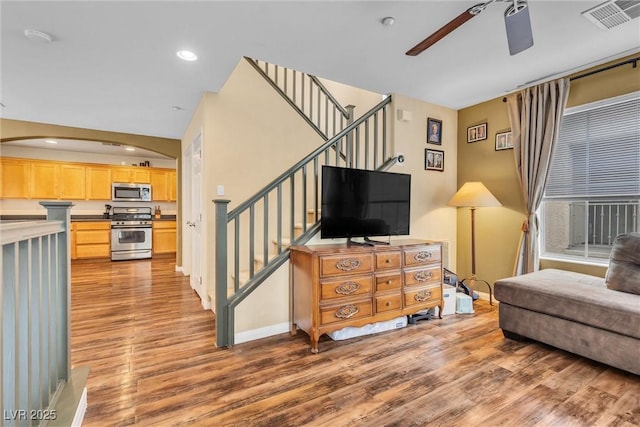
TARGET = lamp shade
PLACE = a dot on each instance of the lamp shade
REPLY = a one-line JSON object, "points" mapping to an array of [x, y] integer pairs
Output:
{"points": [[474, 195]]}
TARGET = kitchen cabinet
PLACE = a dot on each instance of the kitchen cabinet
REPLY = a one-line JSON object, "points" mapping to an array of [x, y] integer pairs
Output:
{"points": [[73, 185], [163, 185], [164, 237], [172, 186], [44, 178], [14, 174], [99, 183], [92, 239], [137, 174]]}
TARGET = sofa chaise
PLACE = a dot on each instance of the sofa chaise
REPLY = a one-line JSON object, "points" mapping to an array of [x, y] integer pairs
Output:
{"points": [[594, 317]]}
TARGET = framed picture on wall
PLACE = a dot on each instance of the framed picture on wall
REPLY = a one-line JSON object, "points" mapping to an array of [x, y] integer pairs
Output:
{"points": [[477, 132], [434, 131], [433, 160], [504, 141]]}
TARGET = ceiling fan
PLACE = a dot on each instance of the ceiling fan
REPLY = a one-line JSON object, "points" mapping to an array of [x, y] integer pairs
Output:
{"points": [[516, 18]]}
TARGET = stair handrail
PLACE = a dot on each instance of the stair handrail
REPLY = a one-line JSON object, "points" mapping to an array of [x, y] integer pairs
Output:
{"points": [[226, 304]]}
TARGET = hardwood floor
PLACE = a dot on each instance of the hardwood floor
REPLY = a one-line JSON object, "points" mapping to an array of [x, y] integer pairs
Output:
{"points": [[153, 362]]}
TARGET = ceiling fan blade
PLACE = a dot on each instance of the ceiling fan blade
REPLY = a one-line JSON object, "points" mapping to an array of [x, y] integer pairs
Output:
{"points": [[442, 32], [518, 24]]}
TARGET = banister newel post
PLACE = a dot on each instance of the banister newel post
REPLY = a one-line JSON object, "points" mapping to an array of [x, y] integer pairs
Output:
{"points": [[61, 211], [221, 303]]}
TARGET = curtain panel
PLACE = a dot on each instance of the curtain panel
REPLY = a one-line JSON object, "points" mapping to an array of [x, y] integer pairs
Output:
{"points": [[535, 114]]}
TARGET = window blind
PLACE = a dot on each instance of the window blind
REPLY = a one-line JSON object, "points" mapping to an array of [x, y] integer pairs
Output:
{"points": [[597, 153]]}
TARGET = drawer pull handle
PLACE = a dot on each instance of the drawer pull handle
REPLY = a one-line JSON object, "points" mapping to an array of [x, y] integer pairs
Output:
{"points": [[388, 303], [348, 264], [347, 288], [389, 282], [388, 261], [422, 296], [423, 256], [347, 311], [423, 276]]}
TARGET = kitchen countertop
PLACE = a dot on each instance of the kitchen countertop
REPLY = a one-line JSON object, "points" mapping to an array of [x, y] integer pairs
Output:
{"points": [[74, 218]]}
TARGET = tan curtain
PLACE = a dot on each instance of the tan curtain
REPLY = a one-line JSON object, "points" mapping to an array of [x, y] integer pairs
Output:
{"points": [[535, 114]]}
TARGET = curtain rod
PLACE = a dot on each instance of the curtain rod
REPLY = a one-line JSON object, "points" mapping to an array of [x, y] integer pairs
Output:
{"points": [[633, 61]]}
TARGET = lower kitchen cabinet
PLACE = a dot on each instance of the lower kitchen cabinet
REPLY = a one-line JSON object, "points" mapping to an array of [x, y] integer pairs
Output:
{"points": [[164, 237], [91, 239]]}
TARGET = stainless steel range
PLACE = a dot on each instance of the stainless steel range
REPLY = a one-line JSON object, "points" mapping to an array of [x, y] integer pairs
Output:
{"points": [[130, 233]]}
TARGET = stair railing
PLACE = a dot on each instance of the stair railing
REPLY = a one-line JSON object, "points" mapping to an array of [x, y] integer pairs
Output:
{"points": [[308, 96], [279, 207], [35, 363]]}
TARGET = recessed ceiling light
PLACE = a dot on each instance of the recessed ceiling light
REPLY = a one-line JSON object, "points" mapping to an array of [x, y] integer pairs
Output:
{"points": [[50, 141], [130, 149], [37, 36], [186, 55]]}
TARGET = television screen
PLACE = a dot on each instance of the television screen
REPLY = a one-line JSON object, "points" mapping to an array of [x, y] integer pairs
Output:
{"points": [[362, 203]]}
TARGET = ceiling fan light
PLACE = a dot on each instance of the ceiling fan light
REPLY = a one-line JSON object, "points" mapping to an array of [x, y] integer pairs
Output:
{"points": [[518, 26]]}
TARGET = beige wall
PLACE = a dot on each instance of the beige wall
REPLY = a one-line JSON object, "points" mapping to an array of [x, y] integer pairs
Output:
{"points": [[250, 136], [431, 218], [498, 229]]}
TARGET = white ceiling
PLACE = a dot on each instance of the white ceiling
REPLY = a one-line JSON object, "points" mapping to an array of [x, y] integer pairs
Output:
{"points": [[112, 65]]}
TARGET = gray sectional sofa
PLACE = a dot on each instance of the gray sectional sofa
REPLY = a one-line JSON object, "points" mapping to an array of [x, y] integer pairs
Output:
{"points": [[595, 317]]}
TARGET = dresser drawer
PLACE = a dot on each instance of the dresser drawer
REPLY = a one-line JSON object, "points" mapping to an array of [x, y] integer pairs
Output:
{"points": [[387, 260], [344, 312], [431, 294], [345, 287], [423, 276], [422, 256], [330, 265], [385, 282], [388, 303]]}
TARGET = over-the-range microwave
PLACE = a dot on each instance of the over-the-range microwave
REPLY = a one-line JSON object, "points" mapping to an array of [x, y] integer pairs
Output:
{"points": [[125, 192]]}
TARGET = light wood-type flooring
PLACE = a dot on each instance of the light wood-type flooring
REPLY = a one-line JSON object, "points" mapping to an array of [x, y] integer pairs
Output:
{"points": [[153, 362]]}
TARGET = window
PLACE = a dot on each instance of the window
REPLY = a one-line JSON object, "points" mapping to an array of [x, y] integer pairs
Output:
{"points": [[593, 188]]}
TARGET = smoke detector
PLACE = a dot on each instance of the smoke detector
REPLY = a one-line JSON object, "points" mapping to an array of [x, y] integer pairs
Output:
{"points": [[613, 13]]}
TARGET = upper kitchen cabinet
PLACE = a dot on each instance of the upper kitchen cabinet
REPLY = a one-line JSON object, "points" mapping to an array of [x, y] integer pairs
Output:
{"points": [[15, 178], [73, 182], [99, 182], [140, 175], [163, 185], [45, 179]]}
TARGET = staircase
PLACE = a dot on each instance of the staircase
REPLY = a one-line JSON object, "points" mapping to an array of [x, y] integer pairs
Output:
{"points": [[252, 240], [308, 96]]}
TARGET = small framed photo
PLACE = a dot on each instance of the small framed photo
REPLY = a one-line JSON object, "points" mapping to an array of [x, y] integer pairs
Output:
{"points": [[433, 160], [434, 131], [504, 141], [477, 132]]}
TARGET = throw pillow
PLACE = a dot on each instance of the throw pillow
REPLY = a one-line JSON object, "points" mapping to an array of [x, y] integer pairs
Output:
{"points": [[623, 273]]}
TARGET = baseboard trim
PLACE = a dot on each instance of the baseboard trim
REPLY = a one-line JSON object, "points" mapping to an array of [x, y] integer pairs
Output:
{"points": [[264, 332]]}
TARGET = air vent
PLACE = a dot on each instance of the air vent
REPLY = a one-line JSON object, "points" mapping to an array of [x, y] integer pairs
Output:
{"points": [[112, 144], [613, 13]]}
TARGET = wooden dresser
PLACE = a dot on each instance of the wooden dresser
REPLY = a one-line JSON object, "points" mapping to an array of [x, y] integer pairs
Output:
{"points": [[336, 285]]}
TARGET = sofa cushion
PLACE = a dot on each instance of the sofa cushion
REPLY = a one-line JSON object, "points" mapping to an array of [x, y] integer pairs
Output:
{"points": [[573, 296], [623, 273]]}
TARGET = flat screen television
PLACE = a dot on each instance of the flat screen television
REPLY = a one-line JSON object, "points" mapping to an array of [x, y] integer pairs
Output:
{"points": [[363, 203]]}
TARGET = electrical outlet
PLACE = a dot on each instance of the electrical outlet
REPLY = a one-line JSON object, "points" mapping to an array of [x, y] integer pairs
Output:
{"points": [[220, 190]]}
